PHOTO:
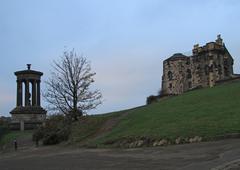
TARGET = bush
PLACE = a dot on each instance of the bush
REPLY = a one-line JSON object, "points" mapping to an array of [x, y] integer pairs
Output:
{"points": [[56, 130], [3, 127], [152, 99], [3, 131]]}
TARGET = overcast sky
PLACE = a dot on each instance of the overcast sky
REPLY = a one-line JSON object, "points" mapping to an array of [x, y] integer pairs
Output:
{"points": [[125, 40]]}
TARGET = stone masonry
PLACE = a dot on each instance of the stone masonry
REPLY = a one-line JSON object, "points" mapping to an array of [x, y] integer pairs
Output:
{"points": [[28, 114], [204, 68]]}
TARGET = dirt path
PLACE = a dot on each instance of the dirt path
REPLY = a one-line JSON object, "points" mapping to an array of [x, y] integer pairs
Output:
{"points": [[218, 155], [109, 124]]}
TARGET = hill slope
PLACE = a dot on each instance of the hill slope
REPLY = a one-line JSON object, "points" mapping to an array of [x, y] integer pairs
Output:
{"points": [[206, 112]]}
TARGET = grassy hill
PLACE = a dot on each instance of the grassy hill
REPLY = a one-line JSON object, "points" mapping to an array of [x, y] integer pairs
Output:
{"points": [[209, 113]]}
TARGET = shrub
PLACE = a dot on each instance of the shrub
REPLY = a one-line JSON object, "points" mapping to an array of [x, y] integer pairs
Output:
{"points": [[3, 131], [56, 130], [3, 127], [152, 99]]}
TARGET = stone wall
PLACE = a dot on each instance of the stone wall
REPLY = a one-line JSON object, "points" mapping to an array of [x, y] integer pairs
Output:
{"points": [[26, 121], [176, 76], [207, 65]]}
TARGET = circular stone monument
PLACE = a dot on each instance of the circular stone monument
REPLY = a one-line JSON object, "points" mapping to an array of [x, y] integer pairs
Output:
{"points": [[28, 113]]}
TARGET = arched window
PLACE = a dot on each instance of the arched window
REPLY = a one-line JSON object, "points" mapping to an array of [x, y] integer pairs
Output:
{"points": [[170, 75]]}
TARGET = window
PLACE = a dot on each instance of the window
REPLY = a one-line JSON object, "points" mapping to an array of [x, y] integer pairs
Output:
{"points": [[170, 75], [215, 65], [198, 67], [210, 68], [226, 71], [225, 62], [206, 69], [189, 74], [170, 85], [180, 65], [189, 85], [219, 69]]}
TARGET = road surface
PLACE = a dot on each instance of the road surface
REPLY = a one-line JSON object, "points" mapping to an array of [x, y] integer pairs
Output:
{"points": [[224, 154]]}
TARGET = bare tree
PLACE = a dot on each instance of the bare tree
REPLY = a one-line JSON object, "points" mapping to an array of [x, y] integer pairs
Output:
{"points": [[68, 88]]}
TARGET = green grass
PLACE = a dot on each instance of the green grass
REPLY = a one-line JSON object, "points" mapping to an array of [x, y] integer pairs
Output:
{"points": [[84, 129], [88, 127], [209, 113], [9, 137], [206, 112]]}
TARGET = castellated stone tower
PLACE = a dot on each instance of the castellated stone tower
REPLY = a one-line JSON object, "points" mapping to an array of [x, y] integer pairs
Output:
{"points": [[207, 65]]}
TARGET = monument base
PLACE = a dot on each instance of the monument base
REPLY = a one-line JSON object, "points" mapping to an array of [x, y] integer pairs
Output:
{"points": [[28, 117]]}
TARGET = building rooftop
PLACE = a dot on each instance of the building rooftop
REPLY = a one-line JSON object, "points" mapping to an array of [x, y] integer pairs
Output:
{"points": [[177, 56]]}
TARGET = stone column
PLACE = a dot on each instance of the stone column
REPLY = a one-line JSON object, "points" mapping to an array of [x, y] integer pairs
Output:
{"points": [[38, 93], [27, 93], [34, 98], [19, 93], [22, 125]]}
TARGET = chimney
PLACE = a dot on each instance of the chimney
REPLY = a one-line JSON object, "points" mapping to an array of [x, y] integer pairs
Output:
{"points": [[219, 40], [195, 49]]}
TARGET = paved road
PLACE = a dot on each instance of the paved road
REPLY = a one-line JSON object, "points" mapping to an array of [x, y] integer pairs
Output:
{"points": [[223, 154]]}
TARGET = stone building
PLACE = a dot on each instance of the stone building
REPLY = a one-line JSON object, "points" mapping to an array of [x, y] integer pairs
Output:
{"points": [[28, 113], [206, 66]]}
